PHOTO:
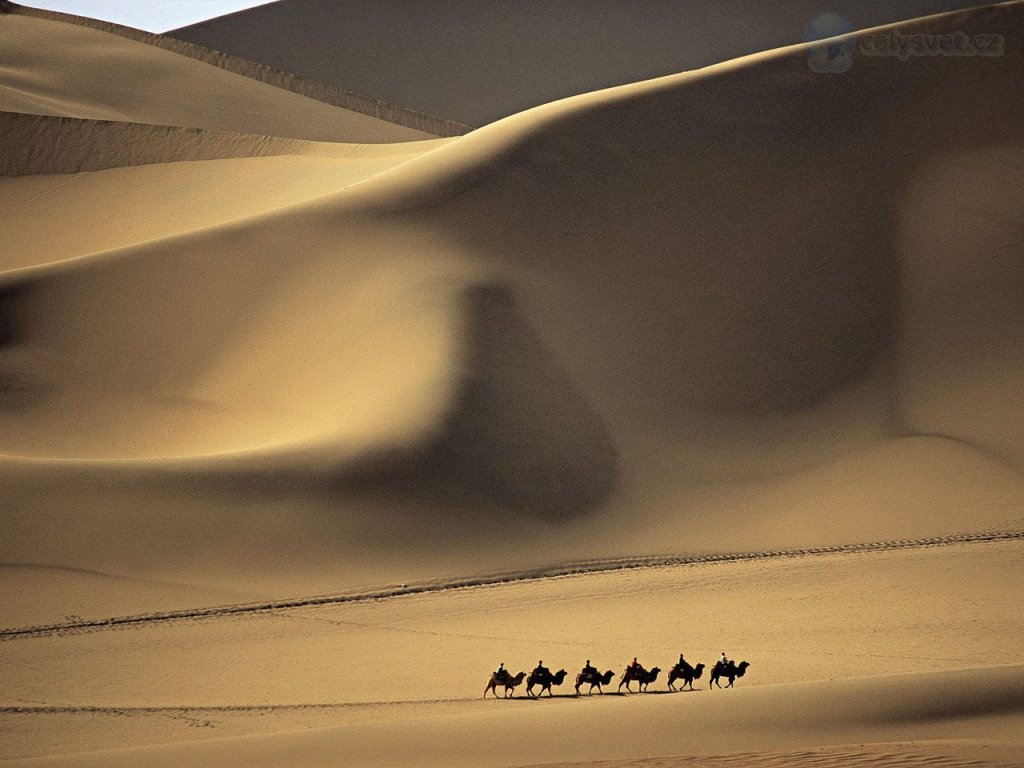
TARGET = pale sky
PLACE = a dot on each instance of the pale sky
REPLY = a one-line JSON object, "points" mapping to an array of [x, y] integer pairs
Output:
{"points": [[150, 15]]}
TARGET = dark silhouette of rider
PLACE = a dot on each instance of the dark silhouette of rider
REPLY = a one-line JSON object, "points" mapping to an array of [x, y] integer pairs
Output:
{"points": [[500, 672], [589, 670], [541, 670], [635, 667]]}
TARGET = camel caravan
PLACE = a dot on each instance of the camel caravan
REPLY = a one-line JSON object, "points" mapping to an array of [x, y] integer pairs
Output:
{"points": [[680, 677]]}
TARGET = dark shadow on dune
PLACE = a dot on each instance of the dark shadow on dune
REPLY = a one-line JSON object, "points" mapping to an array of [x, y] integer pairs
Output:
{"points": [[736, 232], [8, 297], [15, 390], [519, 438], [749, 274]]}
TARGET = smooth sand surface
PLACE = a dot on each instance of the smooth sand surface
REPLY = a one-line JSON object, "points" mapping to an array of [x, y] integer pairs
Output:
{"points": [[748, 310], [911, 645]]}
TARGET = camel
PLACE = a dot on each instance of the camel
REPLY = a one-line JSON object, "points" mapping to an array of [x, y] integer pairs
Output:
{"points": [[732, 670], [545, 680], [686, 673], [594, 679], [642, 676], [505, 680]]}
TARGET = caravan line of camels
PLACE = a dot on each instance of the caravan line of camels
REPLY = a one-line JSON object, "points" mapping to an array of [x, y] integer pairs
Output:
{"points": [[682, 672]]}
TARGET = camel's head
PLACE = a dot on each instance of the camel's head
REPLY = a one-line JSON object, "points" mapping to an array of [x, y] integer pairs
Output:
{"points": [[742, 668], [698, 671]]}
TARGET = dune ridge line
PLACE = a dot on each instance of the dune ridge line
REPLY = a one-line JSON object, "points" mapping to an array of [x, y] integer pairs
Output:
{"points": [[578, 568]]}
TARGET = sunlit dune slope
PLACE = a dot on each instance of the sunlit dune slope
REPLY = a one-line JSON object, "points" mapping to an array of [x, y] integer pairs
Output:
{"points": [[51, 67], [834, 665], [173, 197], [628, 305], [43, 145], [909, 730]]}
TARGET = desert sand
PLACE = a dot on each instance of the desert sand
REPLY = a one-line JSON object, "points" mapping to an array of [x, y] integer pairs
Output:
{"points": [[308, 420], [484, 61]]}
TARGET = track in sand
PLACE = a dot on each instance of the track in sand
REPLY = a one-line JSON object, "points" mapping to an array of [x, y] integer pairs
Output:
{"points": [[568, 569]]}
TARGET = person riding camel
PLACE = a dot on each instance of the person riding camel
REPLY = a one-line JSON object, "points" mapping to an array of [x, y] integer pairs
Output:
{"points": [[500, 672], [682, 662], [541, 670], [723, 660], [588, 669], [635, 667]]}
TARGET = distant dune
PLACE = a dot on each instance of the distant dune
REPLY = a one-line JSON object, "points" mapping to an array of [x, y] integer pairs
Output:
{"points": [[260, 347], [59, 65], [476, 62]]}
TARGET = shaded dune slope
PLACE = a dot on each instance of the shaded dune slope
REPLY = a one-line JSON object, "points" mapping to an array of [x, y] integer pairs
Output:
{"points": [[519, 437], [485, 61], [563, 312]]}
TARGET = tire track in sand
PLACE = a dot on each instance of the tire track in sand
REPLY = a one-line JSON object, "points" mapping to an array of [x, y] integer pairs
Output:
{"points": [[576, 568]]}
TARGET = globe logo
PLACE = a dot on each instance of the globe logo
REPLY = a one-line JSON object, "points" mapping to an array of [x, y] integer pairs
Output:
{"points": [[834, 56]]}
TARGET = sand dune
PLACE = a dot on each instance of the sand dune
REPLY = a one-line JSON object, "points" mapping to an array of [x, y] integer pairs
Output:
{"points": [[45, 145], [284, 172], [748, 308], [479, 62], [607, 730], [70, 70], [39, 593], [398, 682], [661, 350]]}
